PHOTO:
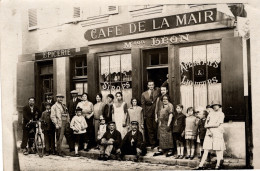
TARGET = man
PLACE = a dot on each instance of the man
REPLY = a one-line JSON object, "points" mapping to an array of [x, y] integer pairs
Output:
{"points": [[49, 99], [133, 143], [72, 107], [108, 108], [60, 117], [30, 113], [148, 100], [110, 142]]}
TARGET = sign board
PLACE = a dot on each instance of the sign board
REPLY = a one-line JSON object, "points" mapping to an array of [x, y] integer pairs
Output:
{"points": [[55, 54]]}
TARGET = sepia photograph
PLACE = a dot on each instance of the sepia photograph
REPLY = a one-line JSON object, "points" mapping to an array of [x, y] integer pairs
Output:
{"points": [[95, 85]]}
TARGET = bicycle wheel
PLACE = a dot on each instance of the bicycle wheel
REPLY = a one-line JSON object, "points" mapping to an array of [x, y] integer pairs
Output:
{"points": [[39, 145]]}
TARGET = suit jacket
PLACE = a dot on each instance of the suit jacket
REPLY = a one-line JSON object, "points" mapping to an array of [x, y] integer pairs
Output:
{"points": [[149, 104], [116, 135], [108, 112], [28, 115], [57, 112], [178, 122], [43, 105], [46, 117], [72, 107], [138, 141]]}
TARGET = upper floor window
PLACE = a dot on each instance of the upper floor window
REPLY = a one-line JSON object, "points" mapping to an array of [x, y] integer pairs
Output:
{"points": [[140, 7], [32, 19]]}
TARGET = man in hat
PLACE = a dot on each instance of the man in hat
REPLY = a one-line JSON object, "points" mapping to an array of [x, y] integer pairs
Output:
{"points": [[148, 101], [72, 107], [133, 143], [60, 117], [49, 99], [30, 113], [110, 142]]}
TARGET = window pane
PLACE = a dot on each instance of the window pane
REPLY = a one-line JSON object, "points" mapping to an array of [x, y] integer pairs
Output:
{"points": [[79, 88], [85, 71], [104, 69], [85, 87], [164, 58], [200, 86], [214, 72], [186, 87], [85, 62], [78, 63], [154, 59], [79, 72]]}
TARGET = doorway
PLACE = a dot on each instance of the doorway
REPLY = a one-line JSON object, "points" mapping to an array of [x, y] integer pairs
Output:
{"points": [[155, 68]]}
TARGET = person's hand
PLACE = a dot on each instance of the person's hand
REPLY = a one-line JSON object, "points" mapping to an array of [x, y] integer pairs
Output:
{"points": [[210, 134], [124, 125], [103, 141], [138, 151], [168, 128], [156, 119], [57, 126], [118, 151], [76, 130], [142, 126], [182, 134]]}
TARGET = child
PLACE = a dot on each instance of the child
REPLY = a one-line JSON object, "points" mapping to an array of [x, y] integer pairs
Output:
{"points": [[102, 128], [202, 129], [79, 125], [178, 131], [214, 139], [48, 129], [191, 127]]}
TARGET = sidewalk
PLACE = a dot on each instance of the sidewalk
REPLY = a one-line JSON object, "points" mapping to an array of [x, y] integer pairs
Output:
{"points": [[229, 163]]}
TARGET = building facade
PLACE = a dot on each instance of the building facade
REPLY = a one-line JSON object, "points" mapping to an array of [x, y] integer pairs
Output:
{"points": [[119, 48]]}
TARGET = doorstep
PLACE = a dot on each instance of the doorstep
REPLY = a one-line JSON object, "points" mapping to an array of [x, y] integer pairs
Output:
{"points": [[229, 163]]}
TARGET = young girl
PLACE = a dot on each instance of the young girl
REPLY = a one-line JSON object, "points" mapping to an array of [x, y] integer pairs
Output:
{"points": [[178, 131], [191, 132], [164, 129], [79, 125], [214, 139], [102, 128]]}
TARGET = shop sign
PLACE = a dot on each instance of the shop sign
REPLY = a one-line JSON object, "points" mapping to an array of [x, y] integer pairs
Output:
{"points": [[116, 87], [162, 23], [55, 54]]}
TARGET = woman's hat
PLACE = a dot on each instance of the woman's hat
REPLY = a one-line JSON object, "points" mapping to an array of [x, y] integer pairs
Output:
{"points": [[78, 109], [134, 123], [215, 102]]}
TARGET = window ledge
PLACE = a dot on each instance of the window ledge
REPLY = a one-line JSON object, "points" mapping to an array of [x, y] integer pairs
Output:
{"points": [[95, 20], [147, 11]]}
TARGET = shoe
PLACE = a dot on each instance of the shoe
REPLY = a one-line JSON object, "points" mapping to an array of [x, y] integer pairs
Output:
{"points": [[181, 157], [191, 157], [158, 153], [101, 157], [86, 149], [199, 168], [77, 155], [187, 157], [47, 153], [221, 163], [25, 152], [97, 148], [105, 158], [60, 154], [136, 159], [217, 168], [152, 147], [53, 153], [177, 157], [169, 154]]}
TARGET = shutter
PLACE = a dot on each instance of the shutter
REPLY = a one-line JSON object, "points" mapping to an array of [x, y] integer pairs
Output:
{"points": [[112, 10], [76, 12], [32, 19], [25, 82], [136, 72], [232, 79]]}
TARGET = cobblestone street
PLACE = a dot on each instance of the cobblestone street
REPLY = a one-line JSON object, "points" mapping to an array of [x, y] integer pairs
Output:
{"points": [[34, 162]]}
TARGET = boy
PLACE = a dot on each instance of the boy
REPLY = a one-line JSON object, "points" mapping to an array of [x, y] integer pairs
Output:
{"points": [[48, 129], [202, 130], [79, 125]]}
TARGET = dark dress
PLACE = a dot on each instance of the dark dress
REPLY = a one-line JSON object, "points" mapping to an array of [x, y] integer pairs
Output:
{"points": [[128, 149], [165, 137], [178, 126]]}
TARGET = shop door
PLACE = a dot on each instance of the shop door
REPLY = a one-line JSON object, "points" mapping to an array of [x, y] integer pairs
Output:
{"points": [[155, 67], [196, 76]]}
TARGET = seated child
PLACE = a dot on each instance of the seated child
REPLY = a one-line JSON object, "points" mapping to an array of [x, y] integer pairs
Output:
{"points": [[102, 129], [79, 125]]}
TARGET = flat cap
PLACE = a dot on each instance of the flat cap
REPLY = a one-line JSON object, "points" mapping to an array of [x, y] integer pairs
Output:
{"points": [[134, 123], [59, 95]]}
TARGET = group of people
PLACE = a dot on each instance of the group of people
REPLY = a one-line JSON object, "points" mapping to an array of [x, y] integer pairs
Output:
{"points": [[113, 128]]}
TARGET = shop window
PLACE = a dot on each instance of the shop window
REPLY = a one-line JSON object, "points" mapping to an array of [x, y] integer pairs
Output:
{"points": [[116, 75], [200, 68], [79, 72]]}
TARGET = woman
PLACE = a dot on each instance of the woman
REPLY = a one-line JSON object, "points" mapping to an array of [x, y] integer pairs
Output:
{"points": [[214, 139], [164, 129], [136, 114], [87, 112], [98, 111], [120, 114]]}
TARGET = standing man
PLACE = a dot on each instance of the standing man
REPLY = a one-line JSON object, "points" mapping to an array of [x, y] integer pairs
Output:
{"points": [[60, 117], [148, 101], [108, 108], [30, 113], [48, 99], [72, 108]]}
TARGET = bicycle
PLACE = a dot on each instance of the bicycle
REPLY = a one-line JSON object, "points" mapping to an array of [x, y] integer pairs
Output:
{"points": [[37, 139]]}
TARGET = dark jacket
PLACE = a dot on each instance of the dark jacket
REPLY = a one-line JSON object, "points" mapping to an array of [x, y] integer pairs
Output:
{"points": [[108, 112], [178, 123], [148, 103], [202, 129], [28, 115], [43, 105], [47, 124], [115, 136], [126, 146], [72, 107]]}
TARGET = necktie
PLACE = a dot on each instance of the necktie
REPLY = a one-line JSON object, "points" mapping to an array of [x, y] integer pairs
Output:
{"points": [[151, 95]]}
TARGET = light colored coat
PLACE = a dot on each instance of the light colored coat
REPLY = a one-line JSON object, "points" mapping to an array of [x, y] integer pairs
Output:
{"points": [[59, 113]]}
